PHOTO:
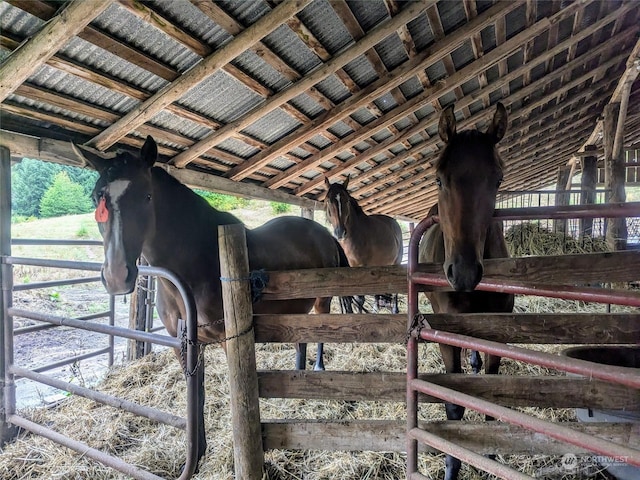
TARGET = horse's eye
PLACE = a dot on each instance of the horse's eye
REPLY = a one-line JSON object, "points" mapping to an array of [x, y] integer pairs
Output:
{"points": [[438, 182]]}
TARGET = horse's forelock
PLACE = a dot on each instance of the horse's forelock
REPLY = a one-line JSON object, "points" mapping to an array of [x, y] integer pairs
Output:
{"points": [[468, 139]]}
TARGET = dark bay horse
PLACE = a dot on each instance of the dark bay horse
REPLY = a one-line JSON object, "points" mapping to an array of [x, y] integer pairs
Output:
{"points": [[141, 209], [468, 174], [367, 240]]}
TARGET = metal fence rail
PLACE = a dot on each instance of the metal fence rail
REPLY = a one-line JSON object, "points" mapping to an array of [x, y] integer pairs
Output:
{"points": [[187, 342], [420, 330]]}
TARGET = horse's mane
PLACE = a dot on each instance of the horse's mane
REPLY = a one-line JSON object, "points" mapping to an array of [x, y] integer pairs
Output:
{"points": [[355, 205], [188, 198], [469, 137]]}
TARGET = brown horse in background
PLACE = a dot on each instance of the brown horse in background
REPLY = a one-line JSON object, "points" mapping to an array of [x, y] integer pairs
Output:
{"points": [[367, 240], [144, 210], [468, 174]]}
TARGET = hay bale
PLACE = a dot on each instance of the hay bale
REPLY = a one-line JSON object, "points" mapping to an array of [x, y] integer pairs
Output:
{"points": [[157, 381], [530, 238]]}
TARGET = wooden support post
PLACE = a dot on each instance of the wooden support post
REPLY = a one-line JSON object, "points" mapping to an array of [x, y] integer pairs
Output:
{"points": [[588, 183], [306, 213], [138, 316], [7, 385], [562, 197], [241, 356], [614, 178]]}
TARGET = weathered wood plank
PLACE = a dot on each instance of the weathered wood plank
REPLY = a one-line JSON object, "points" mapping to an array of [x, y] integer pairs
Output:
{"points": [[560, 269], [44, 44], [569, 328], [507, 390], [241, 356], [389, 435]]}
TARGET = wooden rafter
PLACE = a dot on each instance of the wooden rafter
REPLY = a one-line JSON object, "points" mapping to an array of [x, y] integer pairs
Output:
{"points": [[26, 59], [374, 37]]}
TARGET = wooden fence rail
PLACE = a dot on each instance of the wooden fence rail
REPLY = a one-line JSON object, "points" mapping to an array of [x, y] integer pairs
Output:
{"points": [[507, 390]]}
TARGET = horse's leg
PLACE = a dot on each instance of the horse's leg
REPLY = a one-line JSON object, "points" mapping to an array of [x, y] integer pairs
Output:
{"points": [[301, 356], [395, 308], [321, 305], [451, 356], [476, 361]]}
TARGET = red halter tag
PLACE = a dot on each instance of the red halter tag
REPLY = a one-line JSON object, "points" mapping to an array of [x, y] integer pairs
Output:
{"points": [[102, 214]]}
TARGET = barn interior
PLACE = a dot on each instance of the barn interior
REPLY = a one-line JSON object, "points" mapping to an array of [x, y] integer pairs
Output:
{"points": [[265, 99]]}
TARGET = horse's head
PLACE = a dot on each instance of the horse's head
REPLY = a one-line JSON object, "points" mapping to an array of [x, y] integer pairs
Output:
{"points": [[468, 174], [337, 207], [124, 212]]}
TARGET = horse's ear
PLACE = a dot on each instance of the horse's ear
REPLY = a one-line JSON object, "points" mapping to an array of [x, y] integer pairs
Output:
{"points": [[89, 156], [498, 126], [447, 125], [346, 182], [327, 183], [149, 151]]}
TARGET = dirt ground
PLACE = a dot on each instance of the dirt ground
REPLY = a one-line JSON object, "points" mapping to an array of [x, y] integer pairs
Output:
{"points": [[36, 349]]}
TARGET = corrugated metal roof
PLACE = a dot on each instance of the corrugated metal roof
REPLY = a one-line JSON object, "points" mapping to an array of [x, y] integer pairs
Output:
{"points": [[125, 56]]}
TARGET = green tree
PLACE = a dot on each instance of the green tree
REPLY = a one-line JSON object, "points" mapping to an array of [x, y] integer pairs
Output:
{"points": [[84, 176], [64, 197], [29, 180]]}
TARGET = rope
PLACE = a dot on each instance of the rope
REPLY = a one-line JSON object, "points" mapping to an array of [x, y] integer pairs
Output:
{"points": [[258, 280]]}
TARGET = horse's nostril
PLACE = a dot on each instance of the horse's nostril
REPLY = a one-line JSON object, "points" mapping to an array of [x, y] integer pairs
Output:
{"points": [[450, 273], [479, 273]]}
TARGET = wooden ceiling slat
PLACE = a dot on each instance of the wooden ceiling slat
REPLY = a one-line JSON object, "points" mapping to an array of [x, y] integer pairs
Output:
{"points": [[375, 36], [520, 94], [24, 61], [379, 87], [195, 75]]}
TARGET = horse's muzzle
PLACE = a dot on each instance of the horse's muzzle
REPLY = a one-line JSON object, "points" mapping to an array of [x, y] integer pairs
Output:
{"points": [[119, 281], [464, 276]]}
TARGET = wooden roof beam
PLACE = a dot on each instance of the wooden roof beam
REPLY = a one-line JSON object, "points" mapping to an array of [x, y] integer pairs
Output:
{"points": [[198, 73], [374, 37], [377, 88], [24, 61], [61, 152], [486, 61], [519, 94]]}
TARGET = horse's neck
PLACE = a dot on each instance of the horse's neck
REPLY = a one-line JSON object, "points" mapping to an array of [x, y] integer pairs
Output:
{"points": [[185, 226], [495, 245]]}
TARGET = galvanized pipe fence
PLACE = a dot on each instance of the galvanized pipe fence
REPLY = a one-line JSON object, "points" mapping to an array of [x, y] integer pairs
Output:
{"points": [[421, 330], [187, 341]]}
